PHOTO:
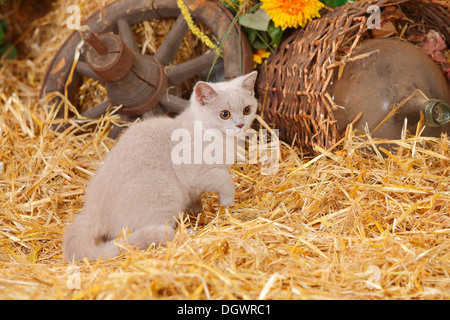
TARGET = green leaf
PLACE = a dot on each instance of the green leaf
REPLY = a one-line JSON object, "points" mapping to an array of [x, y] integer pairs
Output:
{"points": [[12, 53], [260, 45], [2, 34], [252, 35], [275, 33], [334, 3], [262, 41], [3, 29], [257, 21], [264, 37]]}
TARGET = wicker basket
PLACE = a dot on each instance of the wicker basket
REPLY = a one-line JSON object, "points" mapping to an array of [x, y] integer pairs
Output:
{"points": [[292, 85]]}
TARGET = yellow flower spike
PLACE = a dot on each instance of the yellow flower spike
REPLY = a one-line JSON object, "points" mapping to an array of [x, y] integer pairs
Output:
{"points": [[195, 30], [292, 13]]}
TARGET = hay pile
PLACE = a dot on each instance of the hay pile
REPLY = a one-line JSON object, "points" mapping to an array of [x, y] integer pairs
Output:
{"points": [[356, 222]]}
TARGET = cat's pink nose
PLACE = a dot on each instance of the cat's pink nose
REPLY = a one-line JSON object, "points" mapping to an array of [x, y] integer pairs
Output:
{"points": [[240, 125]]}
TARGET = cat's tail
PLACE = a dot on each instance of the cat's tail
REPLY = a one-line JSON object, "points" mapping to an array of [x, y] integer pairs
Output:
{"points": [[80, 242]]}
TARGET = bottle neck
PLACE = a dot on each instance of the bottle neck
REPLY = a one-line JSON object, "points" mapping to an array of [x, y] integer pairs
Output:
{"points": [[436, 113]]}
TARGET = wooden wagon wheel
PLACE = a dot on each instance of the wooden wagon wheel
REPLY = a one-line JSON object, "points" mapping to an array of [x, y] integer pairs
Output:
{"points": [[136, 81]]}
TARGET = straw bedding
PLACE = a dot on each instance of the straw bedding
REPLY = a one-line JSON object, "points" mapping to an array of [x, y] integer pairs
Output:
{"points": [[355, 222]]}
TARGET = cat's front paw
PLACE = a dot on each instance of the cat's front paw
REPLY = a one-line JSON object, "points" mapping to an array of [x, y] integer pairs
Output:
{"points": [[226, 200]]}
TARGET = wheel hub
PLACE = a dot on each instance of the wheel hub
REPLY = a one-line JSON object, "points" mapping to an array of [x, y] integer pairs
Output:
{"points": [[135, 81]]}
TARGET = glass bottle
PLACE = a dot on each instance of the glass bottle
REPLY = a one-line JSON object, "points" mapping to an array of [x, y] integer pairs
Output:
{"points": [[436, 113]]}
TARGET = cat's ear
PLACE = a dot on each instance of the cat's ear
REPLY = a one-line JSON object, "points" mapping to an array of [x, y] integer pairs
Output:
{"points": [[204, 93], [248, 83]]}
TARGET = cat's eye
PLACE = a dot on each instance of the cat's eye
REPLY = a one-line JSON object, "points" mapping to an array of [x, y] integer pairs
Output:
{"points": [[225, 114], [247, 110]]}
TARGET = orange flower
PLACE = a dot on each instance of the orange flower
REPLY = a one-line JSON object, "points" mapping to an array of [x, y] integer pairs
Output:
{"points": [[292, 13], [259, 56]]}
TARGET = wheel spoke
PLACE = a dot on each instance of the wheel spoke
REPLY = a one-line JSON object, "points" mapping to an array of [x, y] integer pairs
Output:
{"points": [[173, 103], [96, 111], [83, 69], [116, 130], [186, 70], [126, 34], [169, 47]]}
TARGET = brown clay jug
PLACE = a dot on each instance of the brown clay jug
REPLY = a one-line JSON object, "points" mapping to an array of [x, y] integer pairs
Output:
{"points": [[378, 83]]}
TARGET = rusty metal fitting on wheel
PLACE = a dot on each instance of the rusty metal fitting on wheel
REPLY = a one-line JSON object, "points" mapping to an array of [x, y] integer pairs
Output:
{"points": [[108, 56]]}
